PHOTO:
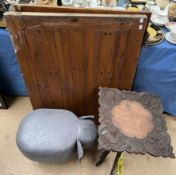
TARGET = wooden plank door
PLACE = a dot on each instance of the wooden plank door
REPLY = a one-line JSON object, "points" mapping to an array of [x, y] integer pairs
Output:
{"points": [[66, 58]]}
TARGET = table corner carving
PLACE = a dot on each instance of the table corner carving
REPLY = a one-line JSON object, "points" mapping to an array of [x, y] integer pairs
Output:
{"points": [[132, 122]]}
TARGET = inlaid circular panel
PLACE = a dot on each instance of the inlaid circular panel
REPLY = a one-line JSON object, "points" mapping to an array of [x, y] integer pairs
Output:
{"points": [[132, 119]]}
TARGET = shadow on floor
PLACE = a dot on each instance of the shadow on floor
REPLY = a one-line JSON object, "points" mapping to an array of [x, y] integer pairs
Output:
{"points": [[8, 101]]}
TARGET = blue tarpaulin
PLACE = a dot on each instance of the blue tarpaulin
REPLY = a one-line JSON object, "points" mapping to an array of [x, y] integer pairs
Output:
{"points": [[11, 80], [156, 73]]}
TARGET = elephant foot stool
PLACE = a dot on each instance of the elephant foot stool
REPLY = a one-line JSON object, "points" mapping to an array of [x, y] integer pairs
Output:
{"points": [[131, 122], [53, 135]]}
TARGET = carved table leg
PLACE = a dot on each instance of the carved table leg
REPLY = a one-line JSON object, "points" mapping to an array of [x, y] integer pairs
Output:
{"points": [[115, 164], [103, 155]]}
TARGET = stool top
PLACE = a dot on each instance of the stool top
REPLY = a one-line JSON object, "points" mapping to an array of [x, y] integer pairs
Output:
{"points": [[132, 122]]}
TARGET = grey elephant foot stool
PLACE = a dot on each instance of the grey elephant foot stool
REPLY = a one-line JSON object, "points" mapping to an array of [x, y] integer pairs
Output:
{"points": [[131, 122], [53, 135]]}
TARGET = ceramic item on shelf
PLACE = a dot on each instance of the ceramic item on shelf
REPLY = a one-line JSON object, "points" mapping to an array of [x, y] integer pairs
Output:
{"points": [[172, 12], [127, 5], [149, 4], [118, 8], [4, 6], [141, 6], [171, 26], [45, 2], [154, 9], [152, 32], [138, 1], [78, 3], [109, 3], [155, 35], [163, 12], [173, 34], [171, 37], [66, 2], [113, 8], [159, 20], [162, 3], [93, 3], [133, 9]]}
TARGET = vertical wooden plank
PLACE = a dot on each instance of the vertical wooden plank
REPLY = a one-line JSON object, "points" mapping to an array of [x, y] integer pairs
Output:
{"points": [[133, 49], [121, 39], [92, 46], [77, 51], [15, 25], [39, 61], [62, 42], [53, 71], [62, 49], [107, 42]]}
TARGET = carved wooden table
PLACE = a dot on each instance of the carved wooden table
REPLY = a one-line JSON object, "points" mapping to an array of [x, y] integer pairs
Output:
{"points": [[131, 122]]}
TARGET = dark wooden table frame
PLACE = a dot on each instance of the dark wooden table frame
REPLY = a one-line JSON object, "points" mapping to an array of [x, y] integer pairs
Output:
{"points": [[2, 103], [102, 157]]}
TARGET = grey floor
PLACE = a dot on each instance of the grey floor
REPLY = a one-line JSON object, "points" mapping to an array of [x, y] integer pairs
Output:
{"points": [[12, 162]]}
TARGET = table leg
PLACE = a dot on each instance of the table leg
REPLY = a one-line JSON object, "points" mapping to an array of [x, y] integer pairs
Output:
{"points": [[103, 155], [115, 164], [2, 103]]}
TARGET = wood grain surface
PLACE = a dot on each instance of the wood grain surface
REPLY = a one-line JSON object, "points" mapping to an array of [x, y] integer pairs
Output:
{"points": [[66, 57]]}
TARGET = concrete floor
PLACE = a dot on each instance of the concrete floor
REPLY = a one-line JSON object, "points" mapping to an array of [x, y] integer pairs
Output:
{"points": [[12, 162]]}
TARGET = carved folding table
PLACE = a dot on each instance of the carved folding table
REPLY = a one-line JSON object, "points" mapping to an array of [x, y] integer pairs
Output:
{"points": [[131, 122]]}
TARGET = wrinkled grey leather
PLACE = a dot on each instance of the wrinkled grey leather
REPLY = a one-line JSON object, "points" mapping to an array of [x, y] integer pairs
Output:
{"points": [[53, 135]]}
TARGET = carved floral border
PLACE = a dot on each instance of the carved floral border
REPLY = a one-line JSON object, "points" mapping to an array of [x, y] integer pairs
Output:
{"points": [[157, 143]]}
